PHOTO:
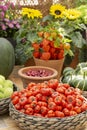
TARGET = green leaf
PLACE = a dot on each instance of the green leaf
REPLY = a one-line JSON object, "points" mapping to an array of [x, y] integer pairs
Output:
{"points": [[77, 39]]}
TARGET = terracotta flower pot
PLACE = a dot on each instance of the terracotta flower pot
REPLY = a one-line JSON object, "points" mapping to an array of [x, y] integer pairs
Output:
{"points": [[36, 79], [55, 64]]}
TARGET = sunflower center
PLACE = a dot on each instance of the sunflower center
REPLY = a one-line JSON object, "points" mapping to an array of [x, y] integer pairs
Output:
{"points": [[57, 12]]}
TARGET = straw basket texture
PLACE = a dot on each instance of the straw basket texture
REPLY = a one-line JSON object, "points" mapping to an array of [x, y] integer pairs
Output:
{"points": [[4, 103], [42, 5], [27, 122], [55, 64]]}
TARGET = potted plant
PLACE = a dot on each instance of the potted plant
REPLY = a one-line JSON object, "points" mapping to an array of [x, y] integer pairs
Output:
{"points": [[74, 26], [51, 46], [9, 22], [30, 20]]}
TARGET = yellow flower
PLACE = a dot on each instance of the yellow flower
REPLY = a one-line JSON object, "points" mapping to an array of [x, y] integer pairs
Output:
{"points": [[31, 13], [56, 10], [37, 13], [72, 14]]}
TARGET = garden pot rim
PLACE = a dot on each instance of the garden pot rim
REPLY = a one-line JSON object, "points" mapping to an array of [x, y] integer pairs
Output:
{"points": [[49, 60], [24, 69]]}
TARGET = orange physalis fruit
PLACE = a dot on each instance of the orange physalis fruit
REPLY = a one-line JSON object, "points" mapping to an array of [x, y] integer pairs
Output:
{"points": [[45, 56], [36, 54], [67, 46], [36, 46]]}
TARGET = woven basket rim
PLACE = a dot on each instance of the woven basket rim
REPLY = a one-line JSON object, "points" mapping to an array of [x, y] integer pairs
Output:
{"points": [[47, 118]]}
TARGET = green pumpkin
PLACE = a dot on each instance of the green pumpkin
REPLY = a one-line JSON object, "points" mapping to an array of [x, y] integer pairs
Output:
{"points": [[76, 77], [7, 57]]}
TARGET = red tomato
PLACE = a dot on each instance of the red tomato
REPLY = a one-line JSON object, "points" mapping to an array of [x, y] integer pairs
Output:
{"points": [[30, 85], [44, 98], [22, 110], [37, 114], [53, 83], [31, 99], [59, 108], [79, 102], [52, 106], [37, 109], [72, 112], [84, 107], [33, 104], [51, 113], [81, 97], [15, 100], [29, 93], [50, 99], [77, 109], [77, 91], [59, 114], [16, 93], [22, 101], [40, 103], [69, 91], [66, 85], [44, 110], [70, 99], [63, 96], [58, 100], [18, 106], [64, 103], [45, 91], [60, 89], [26, 106], [66, 112], [69, 106], [39, 97], [54, 94], [29, 111]]}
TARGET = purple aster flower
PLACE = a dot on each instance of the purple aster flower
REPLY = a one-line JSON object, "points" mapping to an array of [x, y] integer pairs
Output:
{"points": [[3, 27], [1, 7], [12, 5], [14, 22], [17, 25], [2, 15], [6, 20], [10, 25], [5, 8]]}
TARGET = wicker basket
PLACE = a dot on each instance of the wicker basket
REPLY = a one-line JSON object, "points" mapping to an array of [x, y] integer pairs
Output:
{"points": [[27, 122], [84, 93], [4, 103], [42, 5]]}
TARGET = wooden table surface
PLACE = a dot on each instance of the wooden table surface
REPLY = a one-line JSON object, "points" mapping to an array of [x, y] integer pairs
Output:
{"points": [[6, 122]]}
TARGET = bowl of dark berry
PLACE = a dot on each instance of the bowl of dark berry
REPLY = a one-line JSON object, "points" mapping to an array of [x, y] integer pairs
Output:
{"points": [[36, 74]]}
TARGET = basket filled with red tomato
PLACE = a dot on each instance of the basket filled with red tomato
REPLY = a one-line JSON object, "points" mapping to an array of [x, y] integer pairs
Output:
{"points": [[49, 105]]}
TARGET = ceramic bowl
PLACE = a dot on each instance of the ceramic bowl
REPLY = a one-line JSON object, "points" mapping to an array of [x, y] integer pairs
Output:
{"points": [[50, 73]]}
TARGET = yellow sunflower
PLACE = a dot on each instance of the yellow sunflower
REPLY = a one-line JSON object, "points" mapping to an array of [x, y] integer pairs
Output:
{"points": [[28, 12], [72, 14], [37, 13], [56, 10], [31, 13]]}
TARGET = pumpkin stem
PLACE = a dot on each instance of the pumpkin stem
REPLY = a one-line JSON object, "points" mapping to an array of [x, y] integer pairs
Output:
{"points": [[77, 86], [81, 69], [84, 75], [83, 85]]}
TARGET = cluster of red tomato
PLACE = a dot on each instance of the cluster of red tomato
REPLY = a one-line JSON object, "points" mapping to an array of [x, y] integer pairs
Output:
{"points": [[49, 99], [46, 50]]}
